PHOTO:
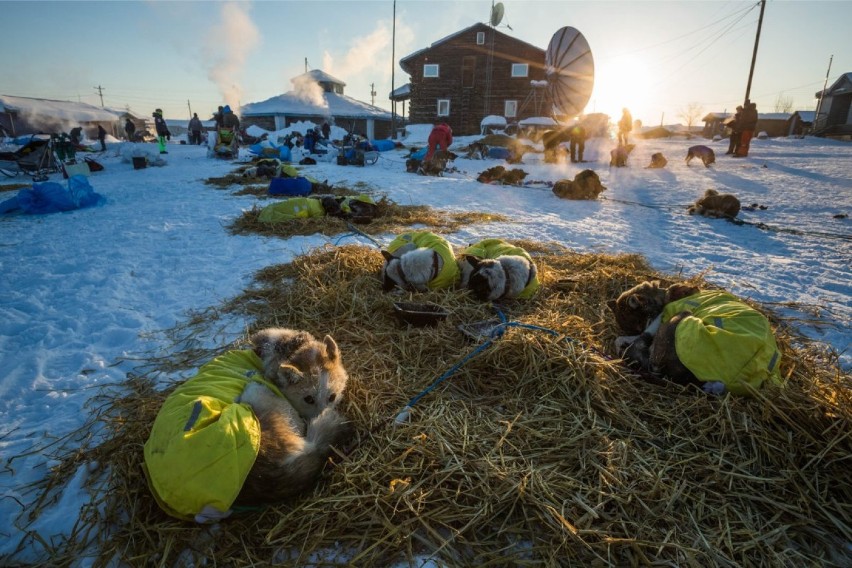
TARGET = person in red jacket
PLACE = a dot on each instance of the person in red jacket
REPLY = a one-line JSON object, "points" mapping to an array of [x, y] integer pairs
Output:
{"points": [[441, 136]]}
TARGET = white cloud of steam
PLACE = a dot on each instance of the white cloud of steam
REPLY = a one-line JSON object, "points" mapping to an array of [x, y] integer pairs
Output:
{"points": [[227, 47], [364, 54], [309, 91]]}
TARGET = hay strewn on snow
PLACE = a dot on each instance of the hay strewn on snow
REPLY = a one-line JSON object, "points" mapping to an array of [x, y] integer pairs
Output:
{"points": [[541, 450]]}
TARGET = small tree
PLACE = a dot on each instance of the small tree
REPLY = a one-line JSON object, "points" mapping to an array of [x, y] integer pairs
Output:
{"points": [[784, 104], [690, 115]]}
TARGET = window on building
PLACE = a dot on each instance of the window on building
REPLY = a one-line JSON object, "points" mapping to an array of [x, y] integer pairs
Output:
{"points": [[480, 38], [510, 109], [443, 107], [430, 70], [520, 70]]}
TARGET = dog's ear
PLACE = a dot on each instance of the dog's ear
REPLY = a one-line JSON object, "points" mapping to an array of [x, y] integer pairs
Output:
{"points": [[387, 282], [388, 256], [290, 373], [677, 292], [636, 302], [471, 260], [331, 349]]}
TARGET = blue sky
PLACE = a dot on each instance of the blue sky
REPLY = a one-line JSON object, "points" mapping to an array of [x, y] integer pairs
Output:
{"points": [[657, 58]]}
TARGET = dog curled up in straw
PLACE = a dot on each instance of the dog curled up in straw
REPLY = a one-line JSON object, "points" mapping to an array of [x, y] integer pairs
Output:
{"points": [[691, 336], [418, 261], [495, 270], [252, 427]]}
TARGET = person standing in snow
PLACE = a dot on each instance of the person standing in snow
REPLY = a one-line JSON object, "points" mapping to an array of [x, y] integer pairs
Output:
{"points": [[577, 142], [736, 131], [129, 129], [163, 133], [76, 135], [326, 130], [625, 125], [440, 137], [219, 117], [749, 123], [194, 129], [102, 137]]}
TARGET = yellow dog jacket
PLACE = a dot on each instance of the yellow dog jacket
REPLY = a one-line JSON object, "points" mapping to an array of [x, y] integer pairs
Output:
{"points": [[203, 444], [725, 340]]}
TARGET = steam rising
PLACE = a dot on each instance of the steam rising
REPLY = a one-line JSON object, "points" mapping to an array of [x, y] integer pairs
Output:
{"points": [[309, 91], [228, 46]]}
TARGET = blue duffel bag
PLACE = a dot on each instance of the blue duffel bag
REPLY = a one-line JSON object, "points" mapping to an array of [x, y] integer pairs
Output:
{"points": [[296, 187]]}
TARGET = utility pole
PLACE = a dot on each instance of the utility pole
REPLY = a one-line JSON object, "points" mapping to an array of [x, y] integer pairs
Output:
{"points": [[189, 107], [373, 94], [393, 69], [101, 93], [754, 54], [815, 125], [306, 64]]}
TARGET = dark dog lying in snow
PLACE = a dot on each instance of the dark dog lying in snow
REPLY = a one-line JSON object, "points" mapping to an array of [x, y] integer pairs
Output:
{"points": [[586, 185], [715, 204], [694, 336]]}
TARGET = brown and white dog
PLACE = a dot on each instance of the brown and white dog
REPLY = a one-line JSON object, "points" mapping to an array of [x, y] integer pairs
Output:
{"points": [[704, 153], [297, 431], [715, 204], [586, 185]]}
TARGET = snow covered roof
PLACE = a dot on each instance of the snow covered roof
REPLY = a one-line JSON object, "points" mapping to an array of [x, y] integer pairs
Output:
{"points": [[60, 110], [493, 120], [538, 121], [806, 115], [842, 86], [317, 76], [291, 104], [401, 92], [715, 116], [774, 116]]}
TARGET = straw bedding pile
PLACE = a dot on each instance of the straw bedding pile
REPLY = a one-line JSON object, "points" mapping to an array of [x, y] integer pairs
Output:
{"points": [[540, 450]]}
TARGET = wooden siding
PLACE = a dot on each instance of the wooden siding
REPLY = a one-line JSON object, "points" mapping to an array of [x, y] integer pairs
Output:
{"points": [[463, 69]]}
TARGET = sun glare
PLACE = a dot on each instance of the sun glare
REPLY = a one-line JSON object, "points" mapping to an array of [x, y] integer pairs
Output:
{"points": [[624, 82]]}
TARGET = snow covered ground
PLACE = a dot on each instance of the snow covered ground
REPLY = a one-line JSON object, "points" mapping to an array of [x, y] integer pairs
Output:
{"points": [[82, 293]]}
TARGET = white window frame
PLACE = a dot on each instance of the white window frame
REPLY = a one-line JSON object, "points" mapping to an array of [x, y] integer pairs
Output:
{"points": [[520, 70], [480, 38], [434, 70], [445, 103], [510, 109]]}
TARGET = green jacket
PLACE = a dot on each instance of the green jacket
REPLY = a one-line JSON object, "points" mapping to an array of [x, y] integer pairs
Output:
{"points": [[406, 242], [292, 208], [203, 444], [492, 248], [292, 172], [725, 340]]}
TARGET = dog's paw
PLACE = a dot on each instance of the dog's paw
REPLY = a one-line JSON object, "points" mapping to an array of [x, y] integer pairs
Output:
{"points": [[714, 387], [253, 394]]}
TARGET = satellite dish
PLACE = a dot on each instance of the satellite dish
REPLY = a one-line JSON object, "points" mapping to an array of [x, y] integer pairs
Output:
{"points": [[570, 71], [496, 14]]}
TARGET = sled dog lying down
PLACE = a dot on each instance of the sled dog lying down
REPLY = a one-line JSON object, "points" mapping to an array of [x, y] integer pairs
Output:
{"points": [[252, 427], [693, 336]]}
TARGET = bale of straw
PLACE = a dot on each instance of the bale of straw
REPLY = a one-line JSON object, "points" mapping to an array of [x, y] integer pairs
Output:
{"points": [[541, 450]]}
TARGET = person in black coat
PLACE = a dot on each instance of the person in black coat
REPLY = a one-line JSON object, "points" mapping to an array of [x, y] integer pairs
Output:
{"points": [[736, 131], [129, 129], [76, 135], [326, 130], [102, 137]]}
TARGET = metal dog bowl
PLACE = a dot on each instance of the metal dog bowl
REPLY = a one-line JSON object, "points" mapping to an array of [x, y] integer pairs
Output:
{"points": [[419, 315]]}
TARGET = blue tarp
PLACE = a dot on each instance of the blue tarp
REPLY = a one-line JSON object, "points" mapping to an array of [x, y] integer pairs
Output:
{"points": [[419, 154], [297, 186], [52, 197], [383, 145]]}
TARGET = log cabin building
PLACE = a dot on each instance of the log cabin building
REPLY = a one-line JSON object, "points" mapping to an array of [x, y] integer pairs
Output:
{"points": [[474, 73]]}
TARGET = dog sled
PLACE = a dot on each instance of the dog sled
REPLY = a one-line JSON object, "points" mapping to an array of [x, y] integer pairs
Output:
{"points": [[225, 145], [35, 158]]}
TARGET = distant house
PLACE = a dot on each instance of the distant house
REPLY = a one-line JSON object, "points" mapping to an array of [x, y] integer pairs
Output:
{"points": [[802, 122], [474, 73], [835, 109], [25, 115], [775, 124], [317, 97]]}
